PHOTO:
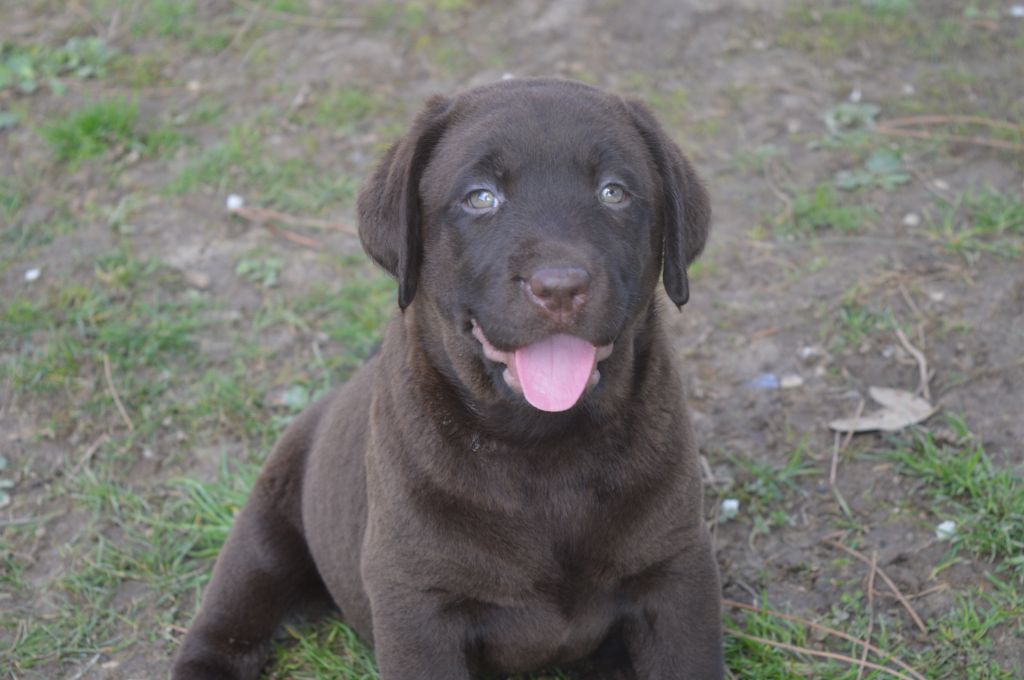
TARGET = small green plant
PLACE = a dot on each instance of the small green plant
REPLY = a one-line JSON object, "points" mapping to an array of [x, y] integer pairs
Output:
{"points": [[12, 198], [167, 18], [851, 116], [857, 323], [987, 221], [883, 169], [767, 486], [757, 159], [341, 109], [25, 68], [890, 7], [102, 127], [818, 210], [259, 268]]}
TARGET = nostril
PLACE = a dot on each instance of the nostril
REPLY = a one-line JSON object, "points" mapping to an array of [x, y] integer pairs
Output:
{"points": [[559, 287]]}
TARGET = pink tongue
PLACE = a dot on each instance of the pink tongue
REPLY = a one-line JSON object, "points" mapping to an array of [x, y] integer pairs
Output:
{"points": [[554, 372]]}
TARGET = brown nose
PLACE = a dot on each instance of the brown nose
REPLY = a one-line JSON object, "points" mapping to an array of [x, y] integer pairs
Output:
{"points": [[559, 290]]}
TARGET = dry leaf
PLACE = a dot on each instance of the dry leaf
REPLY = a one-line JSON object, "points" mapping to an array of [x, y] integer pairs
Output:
{"points": [[902, 409]]}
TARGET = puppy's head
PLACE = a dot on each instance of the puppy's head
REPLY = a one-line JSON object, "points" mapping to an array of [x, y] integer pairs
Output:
{"points": [[533, 217]]}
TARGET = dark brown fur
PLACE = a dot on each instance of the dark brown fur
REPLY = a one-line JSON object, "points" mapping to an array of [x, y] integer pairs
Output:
{"points": [[456, 527]]}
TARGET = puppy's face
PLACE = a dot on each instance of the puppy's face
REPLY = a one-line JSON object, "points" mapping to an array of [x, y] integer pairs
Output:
{"points": [[542, 224]]}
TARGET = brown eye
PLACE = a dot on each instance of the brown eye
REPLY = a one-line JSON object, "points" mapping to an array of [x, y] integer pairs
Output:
{"points": [[482, 199], [612, 194]]}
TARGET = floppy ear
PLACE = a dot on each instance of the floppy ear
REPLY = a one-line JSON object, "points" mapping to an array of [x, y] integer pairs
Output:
{"points": [[685, 210], [389, 202]]}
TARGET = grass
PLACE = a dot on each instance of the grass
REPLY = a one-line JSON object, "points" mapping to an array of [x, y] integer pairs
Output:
{"points": [[139, 537], [960, 641], [981, 222], [821, 209], [765, 490], [166, 18], [242, 164], [857, 323], [832, 30], [101, 128], [343, 108], [962, 483]]}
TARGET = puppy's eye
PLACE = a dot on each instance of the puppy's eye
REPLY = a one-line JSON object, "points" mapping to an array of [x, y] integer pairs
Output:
{"points": [[481, 199], [612, 194]]}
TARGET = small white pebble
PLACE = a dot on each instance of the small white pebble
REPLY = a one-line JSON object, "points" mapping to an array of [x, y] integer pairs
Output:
{"points": [[790, 381], [507, 76], [936, 295], [235, 202], [194, 86], [855, 95], [911, 219], [908, 89], [33, 274], [946, 530], [941, 185], [811, 352], [730, 508], [1017, 11]]}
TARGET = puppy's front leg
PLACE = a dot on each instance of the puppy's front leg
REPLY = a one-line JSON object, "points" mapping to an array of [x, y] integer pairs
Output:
{"points": [[415, 638], [675, 633]]}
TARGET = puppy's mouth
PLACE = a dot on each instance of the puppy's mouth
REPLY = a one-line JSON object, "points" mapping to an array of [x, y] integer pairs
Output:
{"points": [[552, 373]]}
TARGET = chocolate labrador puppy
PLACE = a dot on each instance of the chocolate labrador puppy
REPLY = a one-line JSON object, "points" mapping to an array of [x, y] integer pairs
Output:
{"points": [[511, 483]]}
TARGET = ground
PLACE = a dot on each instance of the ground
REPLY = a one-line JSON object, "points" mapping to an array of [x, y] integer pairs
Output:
{"points": [[153, 345]]}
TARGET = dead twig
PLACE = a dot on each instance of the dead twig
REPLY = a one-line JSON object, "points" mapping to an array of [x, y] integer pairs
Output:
{"points": [[990, 372], [240, 33], [787, 202], [828, 631], [819, 653], [837, 448], [910, 301], [113, 393], [295, 238], [906, 127], [87, 456], [298, 19], [888, 581], [924, 593], [269, 215], [19, 521], [922, 365], [871, 611], [85, 669], [955, 120]]}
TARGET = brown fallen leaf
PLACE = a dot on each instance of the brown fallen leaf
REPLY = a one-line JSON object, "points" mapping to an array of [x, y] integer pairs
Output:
{"points": [[901, 409]]}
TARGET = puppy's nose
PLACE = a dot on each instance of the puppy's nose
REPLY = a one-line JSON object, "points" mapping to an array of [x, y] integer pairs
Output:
{"points": [[559, 290]]}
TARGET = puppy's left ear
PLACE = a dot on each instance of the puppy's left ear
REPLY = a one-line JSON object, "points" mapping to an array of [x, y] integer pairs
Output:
{"points": [[685, 210], [389, 202]]}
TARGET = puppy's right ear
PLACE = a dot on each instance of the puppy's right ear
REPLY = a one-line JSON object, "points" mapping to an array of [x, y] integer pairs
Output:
{"points": [[389, 202]]}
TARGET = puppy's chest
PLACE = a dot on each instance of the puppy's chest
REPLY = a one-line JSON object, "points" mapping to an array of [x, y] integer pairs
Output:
{"points": [[562, 619]]}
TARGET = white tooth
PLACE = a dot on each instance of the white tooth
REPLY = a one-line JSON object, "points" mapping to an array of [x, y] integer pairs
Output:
{"points": [[511, 380]]}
